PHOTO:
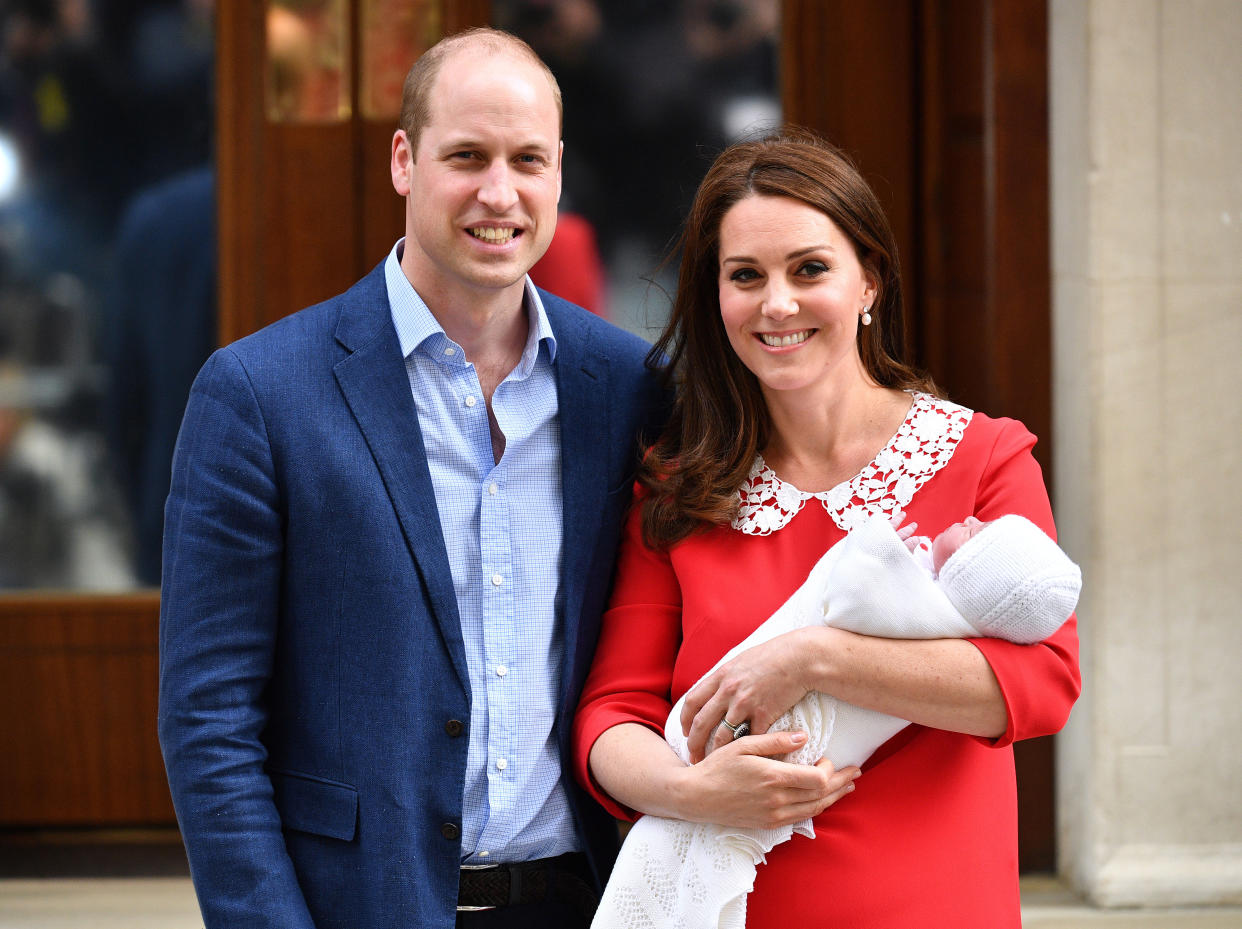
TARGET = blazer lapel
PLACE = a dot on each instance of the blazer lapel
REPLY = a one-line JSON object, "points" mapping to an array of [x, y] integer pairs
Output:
{"points": [[582, 391], [377, 389]]}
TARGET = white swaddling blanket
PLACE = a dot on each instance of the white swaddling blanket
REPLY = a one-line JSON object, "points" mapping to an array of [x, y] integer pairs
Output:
{"points": [[681, 875]]}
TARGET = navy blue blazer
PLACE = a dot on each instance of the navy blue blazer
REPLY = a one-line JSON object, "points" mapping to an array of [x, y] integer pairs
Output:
{"points": [[311, 657]]}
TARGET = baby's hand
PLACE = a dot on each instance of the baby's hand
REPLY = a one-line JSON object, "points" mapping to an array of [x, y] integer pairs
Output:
{"points": [[904, 532]]}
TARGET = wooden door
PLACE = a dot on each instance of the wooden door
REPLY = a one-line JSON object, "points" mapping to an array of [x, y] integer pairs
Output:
{"points": [[943, 102]]}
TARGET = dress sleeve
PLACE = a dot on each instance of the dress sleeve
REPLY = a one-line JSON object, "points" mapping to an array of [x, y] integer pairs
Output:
{"points": [[1039, 682], [631, 677]]}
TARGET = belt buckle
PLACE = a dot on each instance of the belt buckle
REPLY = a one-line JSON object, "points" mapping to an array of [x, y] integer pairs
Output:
{"points": [[476, 867]]}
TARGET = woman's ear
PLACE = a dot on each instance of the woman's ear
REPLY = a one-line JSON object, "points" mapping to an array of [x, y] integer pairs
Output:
{"points": [[871, 287]]}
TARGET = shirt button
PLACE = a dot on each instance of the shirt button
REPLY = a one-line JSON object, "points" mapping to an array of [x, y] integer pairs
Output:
{"points": [[454, 727], [450, 831], [470, 401], [484, 853], [450, 351], [497, 580], [493, 489], [502, 763], [501, 670]]}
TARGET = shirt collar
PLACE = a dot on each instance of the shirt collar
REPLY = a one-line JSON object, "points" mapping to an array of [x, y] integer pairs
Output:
{"points": [[415, 323]]}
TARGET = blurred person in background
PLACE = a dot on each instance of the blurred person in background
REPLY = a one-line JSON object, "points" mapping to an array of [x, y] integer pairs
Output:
{"points": [[98, 101]]}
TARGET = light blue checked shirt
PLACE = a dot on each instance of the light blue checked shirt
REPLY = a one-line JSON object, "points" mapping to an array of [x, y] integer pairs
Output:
{"points": [[502, 529]]}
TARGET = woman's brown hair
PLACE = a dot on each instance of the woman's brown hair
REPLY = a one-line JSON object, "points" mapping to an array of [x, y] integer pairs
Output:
{"points": [[719, 421]]}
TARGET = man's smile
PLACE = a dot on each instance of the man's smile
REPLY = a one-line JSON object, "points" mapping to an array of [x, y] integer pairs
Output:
{"points": [[494, 235]]}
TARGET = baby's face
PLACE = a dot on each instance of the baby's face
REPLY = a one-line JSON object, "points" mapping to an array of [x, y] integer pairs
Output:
{"points": [[953, 538]]}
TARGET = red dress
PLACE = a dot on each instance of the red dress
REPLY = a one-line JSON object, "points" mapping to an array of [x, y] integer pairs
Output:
{"points": [[929, 837]]}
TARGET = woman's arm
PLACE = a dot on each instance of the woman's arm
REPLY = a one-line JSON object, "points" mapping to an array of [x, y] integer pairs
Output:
{"points": [[736, 786], [941, 683]]}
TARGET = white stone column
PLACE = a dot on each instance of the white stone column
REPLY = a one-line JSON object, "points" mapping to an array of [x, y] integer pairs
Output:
{"points": [[1146, 108]]}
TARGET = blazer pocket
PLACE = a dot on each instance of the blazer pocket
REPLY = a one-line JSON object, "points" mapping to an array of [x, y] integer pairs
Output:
{"points": [[312, 804]]}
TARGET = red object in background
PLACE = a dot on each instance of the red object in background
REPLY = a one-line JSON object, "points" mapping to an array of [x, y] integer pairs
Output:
{"points": [[572, 267]]}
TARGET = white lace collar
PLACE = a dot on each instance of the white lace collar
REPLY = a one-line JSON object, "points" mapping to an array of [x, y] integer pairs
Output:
{"points": [[922, 446]]}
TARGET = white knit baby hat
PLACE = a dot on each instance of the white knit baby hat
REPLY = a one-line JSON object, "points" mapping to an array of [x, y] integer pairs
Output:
{"points": [[1010, 580]]}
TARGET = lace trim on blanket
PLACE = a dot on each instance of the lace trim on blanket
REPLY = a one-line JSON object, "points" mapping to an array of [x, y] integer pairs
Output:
{"points": [[923, 445]]}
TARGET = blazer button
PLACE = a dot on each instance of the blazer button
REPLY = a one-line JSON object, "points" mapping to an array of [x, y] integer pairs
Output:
{"points": [[454, 727], [450, 831]]}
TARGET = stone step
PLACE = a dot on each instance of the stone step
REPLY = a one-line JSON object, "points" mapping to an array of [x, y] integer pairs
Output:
{"points": [[1049, 904], [168, 903]]}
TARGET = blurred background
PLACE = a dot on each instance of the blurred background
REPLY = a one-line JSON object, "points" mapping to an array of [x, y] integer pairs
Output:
{"points": [[1063, 180], [107, 209], [101, 106]]}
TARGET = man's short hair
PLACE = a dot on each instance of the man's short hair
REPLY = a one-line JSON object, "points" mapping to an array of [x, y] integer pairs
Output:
{"points": [[416, 93]]}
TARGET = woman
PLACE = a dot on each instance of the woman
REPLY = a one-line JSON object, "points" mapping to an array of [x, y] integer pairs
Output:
{"points": [[795, 421]]}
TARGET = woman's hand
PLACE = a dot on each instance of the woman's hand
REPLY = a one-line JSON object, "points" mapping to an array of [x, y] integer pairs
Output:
{"points": [[755, 687], [742, 784]]}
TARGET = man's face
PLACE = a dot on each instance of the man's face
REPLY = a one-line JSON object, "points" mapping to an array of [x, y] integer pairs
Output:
{"points": [[482, 188]]}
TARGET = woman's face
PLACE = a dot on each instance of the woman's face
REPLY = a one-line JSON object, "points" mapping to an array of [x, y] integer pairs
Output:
{"points": [[791, 294]]}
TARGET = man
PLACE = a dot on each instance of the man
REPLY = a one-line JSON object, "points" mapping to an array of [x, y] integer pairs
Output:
{"points": [[388, 543]]}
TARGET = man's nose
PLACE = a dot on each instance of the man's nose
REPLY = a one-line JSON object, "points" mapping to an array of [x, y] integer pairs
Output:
{"points": [[497, 192]]}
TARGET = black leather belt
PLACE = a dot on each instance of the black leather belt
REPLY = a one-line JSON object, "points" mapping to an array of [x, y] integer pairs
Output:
{"points": [[563, 880]]}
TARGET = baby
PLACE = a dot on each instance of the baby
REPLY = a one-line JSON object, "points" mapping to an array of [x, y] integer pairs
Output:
{"points": [[1004, 579], [1014, 584]]}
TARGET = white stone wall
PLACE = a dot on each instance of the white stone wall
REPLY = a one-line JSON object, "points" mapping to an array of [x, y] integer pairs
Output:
{"points": [[1147, 332]]}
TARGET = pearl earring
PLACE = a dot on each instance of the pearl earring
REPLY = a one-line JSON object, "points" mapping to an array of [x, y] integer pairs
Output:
{"points": [[866, 316]]}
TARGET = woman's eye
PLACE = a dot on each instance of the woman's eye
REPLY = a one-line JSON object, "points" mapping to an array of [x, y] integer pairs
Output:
{"points": [[813, 269], [743, 275]]}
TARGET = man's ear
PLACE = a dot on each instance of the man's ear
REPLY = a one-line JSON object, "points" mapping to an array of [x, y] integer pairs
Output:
{"points": [[560, 158], [402, 164]]}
